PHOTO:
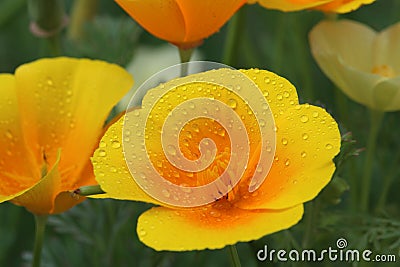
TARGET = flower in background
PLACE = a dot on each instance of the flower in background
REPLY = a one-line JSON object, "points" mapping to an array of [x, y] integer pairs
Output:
{"points": [[333, 6], [181, 22], [307, 139], [52, 115], [363, 63]]}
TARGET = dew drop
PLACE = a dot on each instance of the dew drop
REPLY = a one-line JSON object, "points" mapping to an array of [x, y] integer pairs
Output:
{"points": [[102, 144], [294, 181], [328, 146], [142, 233], [102, 153], [267, 80], [166, 193], [304, 119], [215, 214], [113, 169], [303, 154], [9, 135], [284, 141], [305, 136], [232, 103], [276, 158], [196, 128], [315, 114], [171, 150], [287, 162], [279, 97], [286, 94], [115, 144]]}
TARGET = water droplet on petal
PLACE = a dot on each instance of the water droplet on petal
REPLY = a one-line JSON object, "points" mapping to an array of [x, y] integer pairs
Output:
{"points": [[232, 103], [215, 213], [9, 135], [142, 233], [102, 153], [287, 162], [284, 141], [267, 80], [304, 118], [328, 146], [116, 144], [305, 136], [166, 193], [315, 114], [303, 154], [102, 144], [171, 150]]}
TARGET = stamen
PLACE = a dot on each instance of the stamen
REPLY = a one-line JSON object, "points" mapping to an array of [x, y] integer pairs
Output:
{"points": [[384, 70]]}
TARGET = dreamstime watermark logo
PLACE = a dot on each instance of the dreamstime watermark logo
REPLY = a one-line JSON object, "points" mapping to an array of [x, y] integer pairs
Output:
{"points": [[338, 253], [216, 94]]}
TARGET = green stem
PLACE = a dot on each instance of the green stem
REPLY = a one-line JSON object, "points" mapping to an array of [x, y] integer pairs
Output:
{"points": [[303, 55], [231, 48], [82, 12], [185, 55], [311, 217], [40, 222], [89, 190], [387, 182], [234, 256], [376, 120]]}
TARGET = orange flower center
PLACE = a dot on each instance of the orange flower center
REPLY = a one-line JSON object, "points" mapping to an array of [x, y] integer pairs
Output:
{"points": [[384, 70]]}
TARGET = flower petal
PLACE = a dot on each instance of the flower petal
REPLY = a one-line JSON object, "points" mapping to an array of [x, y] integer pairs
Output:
{"points": [[111, 171], [334, 37], [278, 91], [18, 169], [343, 6], [64, 106], [163, 19], [386, 48], [203, 18], [210, 227], [40, 198], [307, 140], [386, 94], [289, 5]]}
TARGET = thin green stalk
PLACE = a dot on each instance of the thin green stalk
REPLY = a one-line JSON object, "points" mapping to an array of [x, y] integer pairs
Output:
{"points": [[376, 120], [231, 47], [234, 256], [310, 219], [54, 43], [303, 55], [387, 182], [82, 12], [185, 56], [40, 222]]}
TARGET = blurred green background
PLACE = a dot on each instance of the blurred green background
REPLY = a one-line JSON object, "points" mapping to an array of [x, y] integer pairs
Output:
{"points": [[102, 233]]}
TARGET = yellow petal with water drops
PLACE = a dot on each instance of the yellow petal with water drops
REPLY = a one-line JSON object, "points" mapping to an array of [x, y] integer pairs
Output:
{"points": [[308, 139], [111, 171], [278, 91], [18, 169], [210, 227], [40, 198], [64, 103]]}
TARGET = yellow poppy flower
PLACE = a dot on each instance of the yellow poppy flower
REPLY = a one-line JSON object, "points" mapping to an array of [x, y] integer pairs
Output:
{"points": [[334, 6], [52, 114], [181, 22], [368, 70], [307, 139]]}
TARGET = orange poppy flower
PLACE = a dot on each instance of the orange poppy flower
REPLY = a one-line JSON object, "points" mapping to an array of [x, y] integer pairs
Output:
{"points": [[307, 139], [181, 22], [334, 6], [52, 114]]}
